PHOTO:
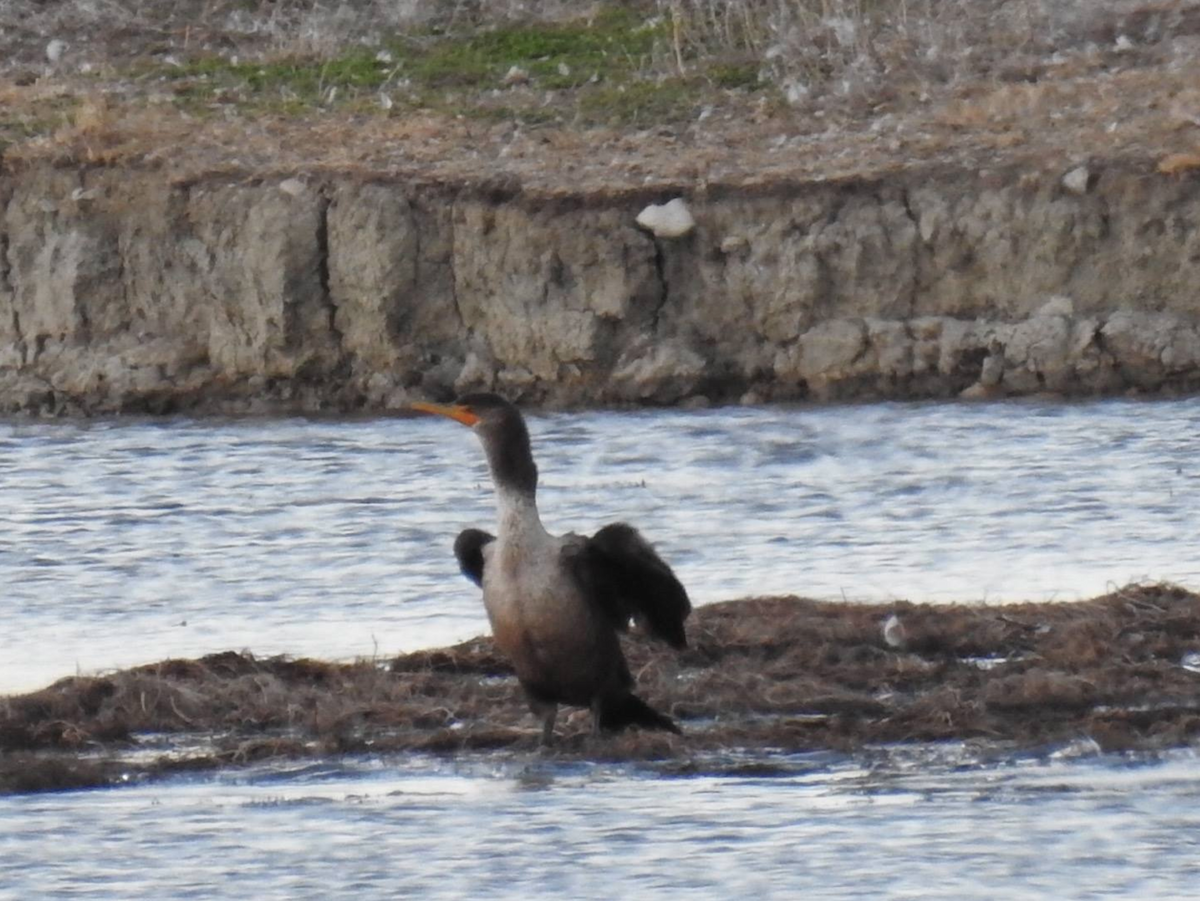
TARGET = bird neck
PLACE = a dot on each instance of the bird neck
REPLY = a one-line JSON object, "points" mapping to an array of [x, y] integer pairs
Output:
{"points": [[510, 457], [517, 515], [515, 476]]}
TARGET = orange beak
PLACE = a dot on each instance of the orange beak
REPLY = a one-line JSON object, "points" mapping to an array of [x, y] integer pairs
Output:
{"points": [[455, 411]]}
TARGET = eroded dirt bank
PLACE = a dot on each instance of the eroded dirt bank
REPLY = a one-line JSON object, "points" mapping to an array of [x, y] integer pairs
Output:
{"points": [[770, 675], [123, 290], [209, 207]]}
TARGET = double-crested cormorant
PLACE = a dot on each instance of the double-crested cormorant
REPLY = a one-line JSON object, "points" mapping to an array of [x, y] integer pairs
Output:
{"points": [[556, 603]]}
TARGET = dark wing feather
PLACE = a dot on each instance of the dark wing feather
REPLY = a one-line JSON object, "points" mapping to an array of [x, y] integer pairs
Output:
{"points": [[629, 580], [468, 548]]}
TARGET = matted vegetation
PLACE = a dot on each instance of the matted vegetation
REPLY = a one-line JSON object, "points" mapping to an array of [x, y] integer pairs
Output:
{"points": [[765, 676]]}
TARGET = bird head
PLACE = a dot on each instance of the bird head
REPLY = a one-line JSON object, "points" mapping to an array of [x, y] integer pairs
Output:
{"points": [[502, 430], [482, 411]]}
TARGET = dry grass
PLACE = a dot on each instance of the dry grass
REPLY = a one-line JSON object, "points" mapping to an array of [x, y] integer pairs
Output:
{"points": [[872, 46], [763, 675], [688, 92]]}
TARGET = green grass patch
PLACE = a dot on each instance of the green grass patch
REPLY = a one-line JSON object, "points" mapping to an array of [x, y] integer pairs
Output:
{"points": [[306, 80], [615, 45], [642, 103], [601, 70], [49, 115], [736, 76]]}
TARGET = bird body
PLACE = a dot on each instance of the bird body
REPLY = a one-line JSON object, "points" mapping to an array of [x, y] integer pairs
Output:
{"points": [[540, 618], [557, 603]]}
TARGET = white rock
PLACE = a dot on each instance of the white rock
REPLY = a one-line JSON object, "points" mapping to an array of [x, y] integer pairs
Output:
{"points": [[516, 75], [1058, 305], [734, 244], [55, 49], [1076, 181], [293, 187], [1080, 747], [669, 220], [795, 91], [894, 634]]}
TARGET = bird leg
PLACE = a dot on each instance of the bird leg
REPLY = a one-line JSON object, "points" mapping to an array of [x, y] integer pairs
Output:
{"points": [[595, 716], [549, 713]]}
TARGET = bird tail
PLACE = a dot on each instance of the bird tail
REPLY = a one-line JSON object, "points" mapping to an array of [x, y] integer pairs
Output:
{"points": [[616, 712]]}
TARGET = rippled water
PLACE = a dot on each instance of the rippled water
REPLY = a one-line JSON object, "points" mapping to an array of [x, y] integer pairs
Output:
{"points": [[925, 823], [128, 541]]}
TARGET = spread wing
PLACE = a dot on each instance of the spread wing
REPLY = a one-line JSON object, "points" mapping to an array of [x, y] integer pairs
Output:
{"points": [[624, 575], [468, 548]]}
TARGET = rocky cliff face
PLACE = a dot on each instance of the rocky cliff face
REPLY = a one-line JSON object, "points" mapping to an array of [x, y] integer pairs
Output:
{"points": [[123, 291]]}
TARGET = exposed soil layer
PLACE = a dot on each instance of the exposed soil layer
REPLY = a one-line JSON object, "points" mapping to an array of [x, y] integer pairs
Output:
{"points": [[766, 675]]}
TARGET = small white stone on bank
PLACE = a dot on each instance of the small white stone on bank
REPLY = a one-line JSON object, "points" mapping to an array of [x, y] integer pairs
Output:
{"points": [[293, 187], [795, 91], [894, 634], [385, 100], [55, 50], [516, 75], [669, 220], [1080, 747], [1058, 305], [1076, 181]]}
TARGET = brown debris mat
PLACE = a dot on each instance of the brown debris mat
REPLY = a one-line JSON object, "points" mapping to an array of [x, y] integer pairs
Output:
{"points": [[765, 675]]}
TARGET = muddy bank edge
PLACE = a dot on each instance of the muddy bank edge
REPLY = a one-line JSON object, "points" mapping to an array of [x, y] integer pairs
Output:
{"points": [[122, 290]]}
